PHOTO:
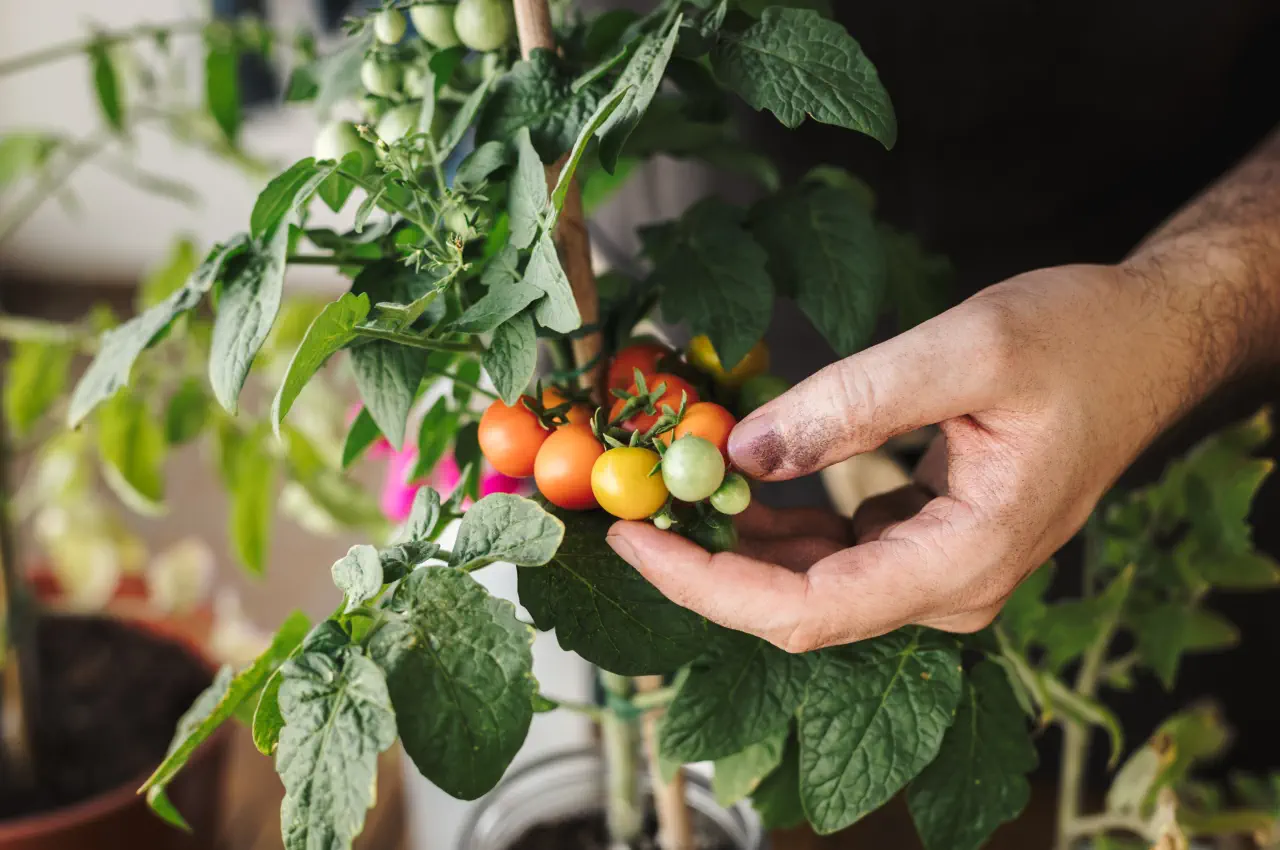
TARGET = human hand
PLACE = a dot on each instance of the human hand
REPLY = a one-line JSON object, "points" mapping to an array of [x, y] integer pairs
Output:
{"points": [[1045, 387]]}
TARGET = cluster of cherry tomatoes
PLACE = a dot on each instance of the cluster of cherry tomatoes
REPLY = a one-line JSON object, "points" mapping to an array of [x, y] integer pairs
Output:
{"points": [[661, 447]]}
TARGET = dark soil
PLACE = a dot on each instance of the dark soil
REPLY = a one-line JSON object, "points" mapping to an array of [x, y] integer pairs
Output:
{"points": [[588, 832], [105, 709]]}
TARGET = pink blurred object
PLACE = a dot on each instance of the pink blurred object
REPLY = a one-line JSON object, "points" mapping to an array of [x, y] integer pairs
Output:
{"points": [[397, 494], [382, 446]]}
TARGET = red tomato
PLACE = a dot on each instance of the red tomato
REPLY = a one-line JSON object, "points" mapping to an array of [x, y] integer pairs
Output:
{"points": [[707, 420], [643, 356], [563, 468], [554, 397], [510, 438], [671, 396]]}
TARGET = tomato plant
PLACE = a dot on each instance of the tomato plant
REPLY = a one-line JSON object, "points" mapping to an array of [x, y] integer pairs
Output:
{"points": [[623, 485], [464, 273]]}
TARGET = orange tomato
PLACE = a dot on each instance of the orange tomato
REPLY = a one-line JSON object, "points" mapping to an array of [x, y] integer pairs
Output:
{"points": [[563, 468], [671, 396], [554, 397], [643, 356], [510, 438], [707, 420]]}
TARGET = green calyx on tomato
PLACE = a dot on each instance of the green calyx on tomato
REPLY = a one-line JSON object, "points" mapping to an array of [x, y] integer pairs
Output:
{"points": [[340, 138], [692, 468], [652, 411], [434, 23], [484, 25], [711, 530]]}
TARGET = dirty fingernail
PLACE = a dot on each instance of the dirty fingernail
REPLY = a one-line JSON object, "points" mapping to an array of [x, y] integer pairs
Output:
{"points": [[755, 445]]}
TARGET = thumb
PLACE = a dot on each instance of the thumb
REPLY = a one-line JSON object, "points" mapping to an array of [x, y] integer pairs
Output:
{"points": [[944, 368]]}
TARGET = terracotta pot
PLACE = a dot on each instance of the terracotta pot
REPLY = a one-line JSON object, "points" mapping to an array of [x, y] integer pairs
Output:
{"points": [[120, 818]]}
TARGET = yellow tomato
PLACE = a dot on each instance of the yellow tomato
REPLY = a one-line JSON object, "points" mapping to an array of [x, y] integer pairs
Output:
{"points": [[622, 484], [703, 356]]}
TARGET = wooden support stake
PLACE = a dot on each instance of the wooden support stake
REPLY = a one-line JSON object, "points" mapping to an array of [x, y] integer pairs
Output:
{"points": [[533, 25], [675, 830]]}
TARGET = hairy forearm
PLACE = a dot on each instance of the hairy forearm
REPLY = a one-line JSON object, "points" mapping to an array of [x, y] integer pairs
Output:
{"points": [[1215, 266]]}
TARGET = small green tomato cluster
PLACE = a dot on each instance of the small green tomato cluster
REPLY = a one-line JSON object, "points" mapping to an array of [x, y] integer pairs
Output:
{"points": [[480, 25]]}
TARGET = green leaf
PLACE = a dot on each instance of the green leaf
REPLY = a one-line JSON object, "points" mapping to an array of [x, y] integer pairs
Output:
{"points": [[106, 83], [503, 527], [424, 515], [794, 63], [222, 84], [920, 282], [1238, 570], [528, 196], [187, 413], [34, 376], [978, 781], [538, 94], [466, 116], [337, 75], [168, 277], [640, 80], [742, 691], [286, 195], [345, 502], [362, 434], [132, 447], [434, 436], [387, 375], [512, 357], [499, 305], [336, 189], [247, 309], [756, 8], [251, 489], [338, 718], [874, 714], [825, 253], [737, 776], [714, 278], [1064, 702], [479, 165], [1166, 631], [326, 637], [215, 705], [777, 800], [1067, 629], [558, 311], [460, 669], [1021, 616], [358, 574], [329, 331], [120, 346], [604, 610], [607, 107], [23, 152]]}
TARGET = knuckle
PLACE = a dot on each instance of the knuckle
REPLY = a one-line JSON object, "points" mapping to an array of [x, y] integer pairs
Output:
{"points": [[999, 336]]}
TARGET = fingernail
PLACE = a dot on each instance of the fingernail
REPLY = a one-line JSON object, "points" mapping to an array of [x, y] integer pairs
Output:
{"points": [[623, 547], [755, 445]]}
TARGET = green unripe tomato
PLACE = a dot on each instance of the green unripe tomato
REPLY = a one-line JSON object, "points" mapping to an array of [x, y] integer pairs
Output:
{"points": [[374, 107], [380, 78], [414, 83], [662, 521], [398, 123], [484, 25], [339, 138], [733, 496], [388, 26], [692, 468], [714, 532], [434, 22], [759, 391]]}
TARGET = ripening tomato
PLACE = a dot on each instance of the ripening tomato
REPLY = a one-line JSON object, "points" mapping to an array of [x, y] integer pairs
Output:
{"points": [[562, 470], [643, 356], [510, 438], [703, 355], [692, 469], [707, 420], [622, 484], [671, 396], [554, 397]]}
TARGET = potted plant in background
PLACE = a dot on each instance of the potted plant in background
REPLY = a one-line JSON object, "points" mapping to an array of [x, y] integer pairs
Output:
{"points": [[482, 271]]}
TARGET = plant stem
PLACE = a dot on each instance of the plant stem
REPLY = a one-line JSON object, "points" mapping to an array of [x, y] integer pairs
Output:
{"points": [[462, 382], [660, 698], [414, 341], [77, 155], [675, 827], [68, 49], [618, 740], [1109, 822], [325, 260], [24, 329]]}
